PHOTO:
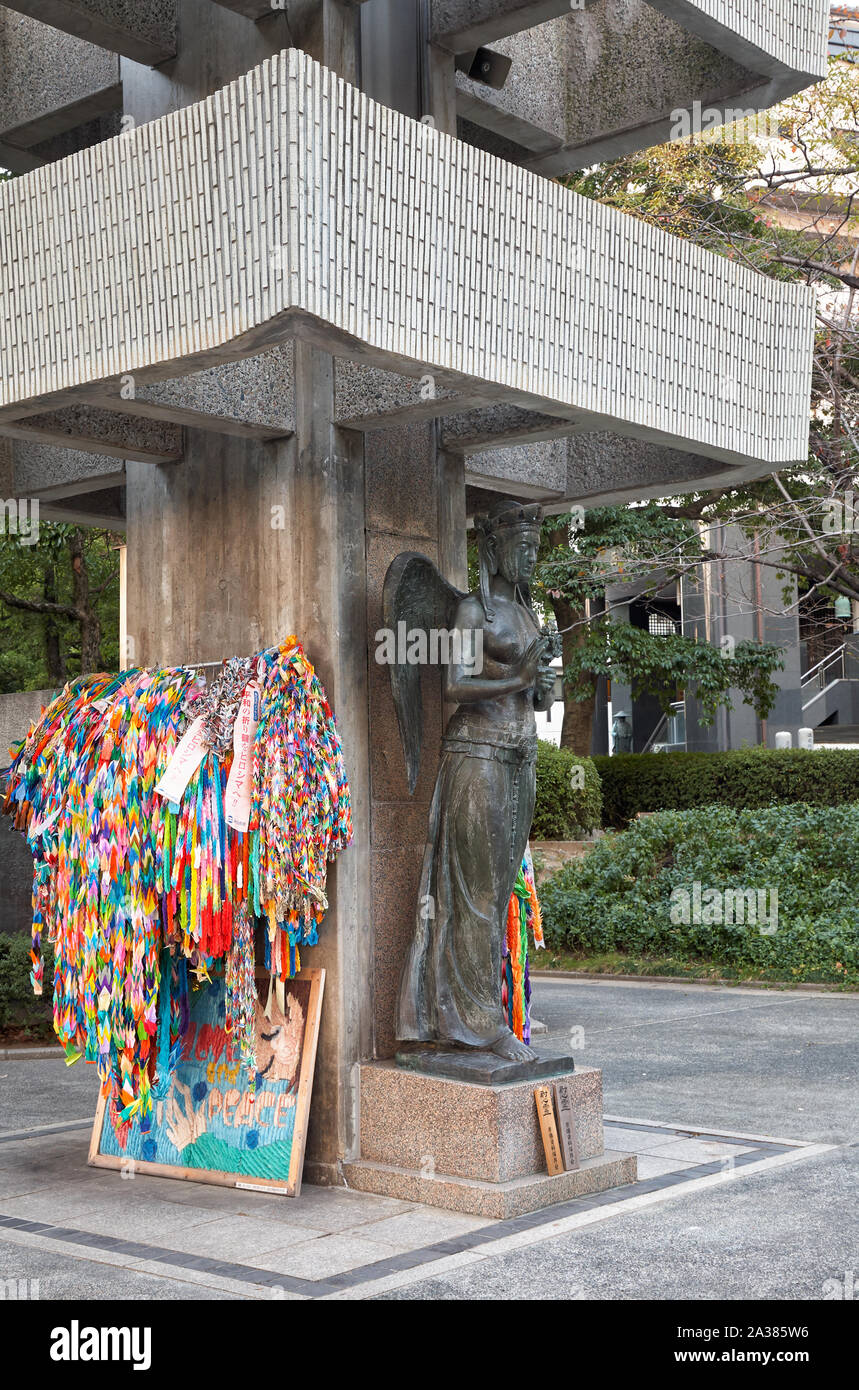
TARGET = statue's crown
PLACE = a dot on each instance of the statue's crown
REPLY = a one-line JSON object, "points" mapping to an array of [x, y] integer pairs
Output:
{"points": [[506, 515]]}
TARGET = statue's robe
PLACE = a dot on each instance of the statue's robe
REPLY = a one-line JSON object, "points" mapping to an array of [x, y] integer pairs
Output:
{"points": [[478, 832]]}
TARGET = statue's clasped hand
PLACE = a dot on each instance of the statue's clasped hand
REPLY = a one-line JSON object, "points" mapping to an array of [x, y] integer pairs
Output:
{"points": [[546, 679], [534, 661]]}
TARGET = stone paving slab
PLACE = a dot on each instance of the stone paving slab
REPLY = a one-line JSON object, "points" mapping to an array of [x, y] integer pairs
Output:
{"points": [[644, 1142], [422, 1225], [699, 1150], [650, 1167], [328, 1254]]}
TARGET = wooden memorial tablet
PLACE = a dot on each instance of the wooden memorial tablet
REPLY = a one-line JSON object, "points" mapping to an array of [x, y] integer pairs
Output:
{"points": [[566, 1124], [549, 1129]]}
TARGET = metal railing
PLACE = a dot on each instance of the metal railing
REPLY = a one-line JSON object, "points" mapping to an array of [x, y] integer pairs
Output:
{"points": [[824, 672], [670, 732], [656, 736]]}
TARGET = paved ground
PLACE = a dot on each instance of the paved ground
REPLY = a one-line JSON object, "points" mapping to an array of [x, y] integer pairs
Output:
{"points": [[37, 1092], [739, 1218], [766, 1061]]}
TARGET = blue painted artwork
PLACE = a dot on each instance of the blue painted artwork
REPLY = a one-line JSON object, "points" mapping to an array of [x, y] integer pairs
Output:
{"points": [[205, 1117]]}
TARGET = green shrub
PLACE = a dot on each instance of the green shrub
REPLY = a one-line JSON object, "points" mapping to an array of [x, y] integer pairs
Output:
{"points": [[20, 1009], [623, 895], [565, 810], [745, 777]]}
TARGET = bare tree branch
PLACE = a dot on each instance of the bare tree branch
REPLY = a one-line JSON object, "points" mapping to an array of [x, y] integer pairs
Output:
{"points": [[62, 610]]}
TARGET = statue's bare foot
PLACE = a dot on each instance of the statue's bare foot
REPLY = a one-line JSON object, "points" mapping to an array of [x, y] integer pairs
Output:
{"points": [[509, 1046]]}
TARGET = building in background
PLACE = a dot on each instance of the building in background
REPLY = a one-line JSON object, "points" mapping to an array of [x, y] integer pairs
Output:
{"points": [[844, 32], [724, 602]]}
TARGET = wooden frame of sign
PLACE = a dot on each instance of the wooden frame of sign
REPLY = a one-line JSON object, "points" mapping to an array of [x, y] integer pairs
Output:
{"points": [[286, 1057]]}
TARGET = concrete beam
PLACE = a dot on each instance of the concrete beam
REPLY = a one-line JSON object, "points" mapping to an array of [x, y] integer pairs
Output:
{"points": [[597, 469], [463, 25], [251, 399], [49, 124], [604, 317], [368, 398], [537, 470], [611, 79], [498, 426], [262, 9], [69, 485], [768, 38], [79, 137], [50, 472], [474, 104], [50, 82], [97, 431], [606, 468], [409, 414], [143, 32], [83, 487], [17, 161], [759, 96], [251, 9], [105, 508], [513, 485], [145, 408]]}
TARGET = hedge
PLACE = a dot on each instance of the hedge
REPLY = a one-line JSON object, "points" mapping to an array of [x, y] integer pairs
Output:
{"points": [[636, 891], [21, 1011], [565, 810], [746, 777]]}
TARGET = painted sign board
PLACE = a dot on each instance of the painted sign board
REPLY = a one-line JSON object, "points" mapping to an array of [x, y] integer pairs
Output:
{"points": [[204, 1126]]}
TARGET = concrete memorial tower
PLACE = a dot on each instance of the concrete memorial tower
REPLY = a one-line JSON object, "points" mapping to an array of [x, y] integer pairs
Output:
{"points": [[288, 289]]}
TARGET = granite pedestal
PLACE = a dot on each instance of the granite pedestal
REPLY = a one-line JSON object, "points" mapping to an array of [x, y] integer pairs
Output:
{"points": [[476, 1147]]}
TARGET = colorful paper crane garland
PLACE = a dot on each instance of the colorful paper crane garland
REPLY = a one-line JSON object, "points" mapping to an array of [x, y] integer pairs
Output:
{"points": [[523, 915], [135, 888]]}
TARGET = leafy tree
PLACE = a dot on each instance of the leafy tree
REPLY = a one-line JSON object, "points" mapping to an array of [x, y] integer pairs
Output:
{"points": [[59, 606], [779, 194], [584, 555]]}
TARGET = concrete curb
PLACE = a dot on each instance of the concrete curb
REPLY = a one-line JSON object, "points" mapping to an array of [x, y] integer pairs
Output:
{"points": [[8, 1054], [781, 985]]}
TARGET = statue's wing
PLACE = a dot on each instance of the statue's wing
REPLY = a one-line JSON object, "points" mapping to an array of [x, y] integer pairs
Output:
{"points": [[417, 596]]}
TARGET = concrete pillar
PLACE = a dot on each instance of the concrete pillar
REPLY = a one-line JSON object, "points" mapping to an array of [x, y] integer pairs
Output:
{"points": [[244, 542], [403, 476]]}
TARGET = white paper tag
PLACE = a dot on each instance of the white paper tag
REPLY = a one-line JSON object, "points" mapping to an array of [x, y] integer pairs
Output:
{"points": [[190, 752], [237, 801], [41, 826]]}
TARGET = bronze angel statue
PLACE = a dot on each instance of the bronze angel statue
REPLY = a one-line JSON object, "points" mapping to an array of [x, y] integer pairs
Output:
{"points": [[498, 674]]}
